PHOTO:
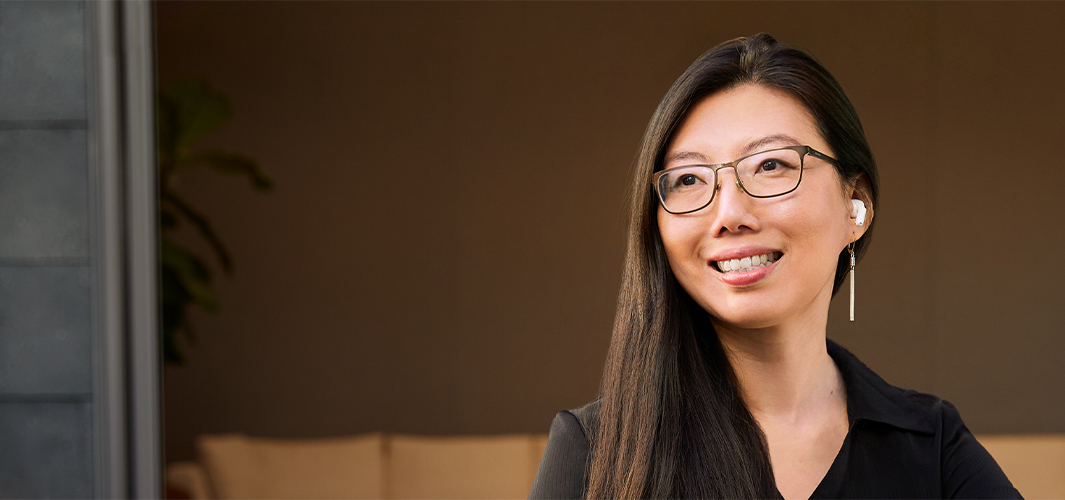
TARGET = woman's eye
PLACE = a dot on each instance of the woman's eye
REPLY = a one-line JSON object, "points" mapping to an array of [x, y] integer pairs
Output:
{"points": [[773, 165], [686, 181]]}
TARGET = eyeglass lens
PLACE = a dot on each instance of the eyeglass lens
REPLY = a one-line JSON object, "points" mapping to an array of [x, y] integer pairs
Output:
{"points": [[765, 174]]}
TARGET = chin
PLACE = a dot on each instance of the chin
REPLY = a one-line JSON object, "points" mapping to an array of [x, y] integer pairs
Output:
{"points": [[744, 322], [744, 317]]}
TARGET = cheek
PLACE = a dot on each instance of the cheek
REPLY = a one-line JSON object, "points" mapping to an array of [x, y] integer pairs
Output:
{"points": [[680, 239], [668, 233], [666, 230], [680, 236], [818, 224]]}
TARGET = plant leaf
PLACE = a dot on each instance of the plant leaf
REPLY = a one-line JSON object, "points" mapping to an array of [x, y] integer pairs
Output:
{"points": [[174, 317], [190, 273], [230, 163], [166, 126], [167, 220], [205, 228], [195, 109]]}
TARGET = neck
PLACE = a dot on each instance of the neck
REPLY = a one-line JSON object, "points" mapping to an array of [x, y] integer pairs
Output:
{"points": [[785, 372]]}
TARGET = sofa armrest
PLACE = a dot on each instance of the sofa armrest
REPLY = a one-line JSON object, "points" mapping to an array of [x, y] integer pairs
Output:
{"points": [[189, 477]]}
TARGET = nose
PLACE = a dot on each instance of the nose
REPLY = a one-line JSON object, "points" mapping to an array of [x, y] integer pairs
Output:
{"points": [[732, 207]]}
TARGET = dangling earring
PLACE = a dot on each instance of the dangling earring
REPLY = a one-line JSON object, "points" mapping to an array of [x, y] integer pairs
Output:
{"points": [[850, 248]]}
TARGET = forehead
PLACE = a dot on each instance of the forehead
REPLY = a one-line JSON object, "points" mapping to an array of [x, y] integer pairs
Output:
{"points": [[726, 125]]}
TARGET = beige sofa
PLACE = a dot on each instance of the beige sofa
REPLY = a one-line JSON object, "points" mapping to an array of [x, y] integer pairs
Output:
{"points": [[1034, 462], [367, 466], [405, 467]]}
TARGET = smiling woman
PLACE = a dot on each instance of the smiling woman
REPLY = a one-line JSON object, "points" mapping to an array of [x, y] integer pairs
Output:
{"points": [[720, 381], [801, 230]]}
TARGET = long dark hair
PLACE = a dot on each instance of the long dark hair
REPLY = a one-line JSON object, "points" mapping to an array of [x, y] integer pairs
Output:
{"points": [[672, 420]]}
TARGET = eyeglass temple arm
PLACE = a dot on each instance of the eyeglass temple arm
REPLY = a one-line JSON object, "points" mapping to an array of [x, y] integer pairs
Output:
{"points": [[817, 154]]}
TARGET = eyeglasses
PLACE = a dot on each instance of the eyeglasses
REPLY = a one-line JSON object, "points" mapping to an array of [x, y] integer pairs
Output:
{"points": [[765, 174]]}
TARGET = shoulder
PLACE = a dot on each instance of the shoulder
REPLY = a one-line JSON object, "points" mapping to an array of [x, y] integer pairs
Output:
{"points": [[919, 428], [968, 470], [871, 398], [575, 427], [563, 468], [587, 417]]}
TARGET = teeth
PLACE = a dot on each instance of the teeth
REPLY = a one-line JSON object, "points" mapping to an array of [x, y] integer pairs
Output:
{"points": [[747, 263]]}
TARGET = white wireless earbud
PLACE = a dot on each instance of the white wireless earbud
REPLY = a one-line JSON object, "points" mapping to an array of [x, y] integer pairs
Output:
{"points": [[858, 211]]}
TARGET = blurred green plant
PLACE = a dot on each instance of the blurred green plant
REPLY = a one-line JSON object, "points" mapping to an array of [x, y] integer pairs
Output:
{"points": [[187, 110]]}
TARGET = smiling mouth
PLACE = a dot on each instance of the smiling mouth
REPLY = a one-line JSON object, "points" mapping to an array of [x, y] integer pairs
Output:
{"points": [[746, 263]]}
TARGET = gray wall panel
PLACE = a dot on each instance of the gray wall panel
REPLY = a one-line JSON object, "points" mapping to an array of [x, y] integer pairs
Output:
{"points": [[71, 74], [42, 68], [43, 194], [45, 328], [45, 450]]}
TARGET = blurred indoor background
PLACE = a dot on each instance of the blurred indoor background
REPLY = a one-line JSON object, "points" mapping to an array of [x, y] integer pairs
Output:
{"points": [[450, 314], [477, 296]]}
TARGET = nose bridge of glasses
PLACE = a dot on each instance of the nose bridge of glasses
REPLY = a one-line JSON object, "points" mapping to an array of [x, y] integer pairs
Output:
{"points": [[735, 175]]}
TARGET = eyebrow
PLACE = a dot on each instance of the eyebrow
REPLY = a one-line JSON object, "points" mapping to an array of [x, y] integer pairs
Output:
{"points": [[751, 147], [754, 146]]}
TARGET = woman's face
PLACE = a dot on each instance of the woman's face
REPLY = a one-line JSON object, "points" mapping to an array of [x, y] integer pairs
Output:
{"points": [[805, 229]]}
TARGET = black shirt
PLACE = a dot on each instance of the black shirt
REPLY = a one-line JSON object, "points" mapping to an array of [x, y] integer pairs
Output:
{"points": [[901, 444]]}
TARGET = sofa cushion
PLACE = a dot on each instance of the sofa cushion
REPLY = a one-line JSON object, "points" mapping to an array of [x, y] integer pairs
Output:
{"points": [[242, 467], [1035, 463], [462, 467]]}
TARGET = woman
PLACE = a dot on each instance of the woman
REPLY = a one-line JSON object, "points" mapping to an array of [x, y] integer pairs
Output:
{"points": [[754, 193]]}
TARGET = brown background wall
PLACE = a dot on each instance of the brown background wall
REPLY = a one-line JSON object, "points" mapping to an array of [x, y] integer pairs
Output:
{"points": [[477, 295]]}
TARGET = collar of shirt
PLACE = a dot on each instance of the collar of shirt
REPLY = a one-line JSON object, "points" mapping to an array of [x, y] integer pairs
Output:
{"points": [[869, 397]]}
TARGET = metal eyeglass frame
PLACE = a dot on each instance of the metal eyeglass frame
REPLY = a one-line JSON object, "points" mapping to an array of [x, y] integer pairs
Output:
{"points": [[802, 150]]}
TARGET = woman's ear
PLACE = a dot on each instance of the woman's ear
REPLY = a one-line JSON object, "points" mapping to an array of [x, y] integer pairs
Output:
{"points": [[862, 212]]}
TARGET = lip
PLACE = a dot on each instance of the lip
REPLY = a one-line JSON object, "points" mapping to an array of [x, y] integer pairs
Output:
{"points": [[747, 277], [741, 252]]}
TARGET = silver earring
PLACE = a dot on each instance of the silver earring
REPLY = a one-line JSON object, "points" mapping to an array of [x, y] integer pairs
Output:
{"points": [[850, 248]]}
